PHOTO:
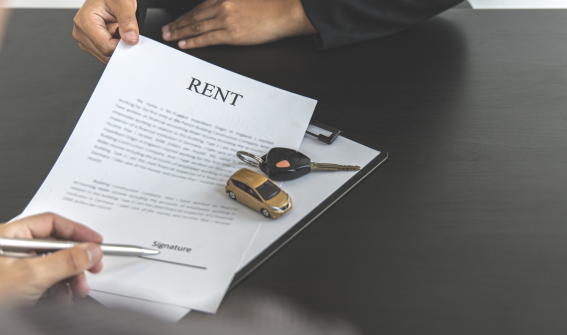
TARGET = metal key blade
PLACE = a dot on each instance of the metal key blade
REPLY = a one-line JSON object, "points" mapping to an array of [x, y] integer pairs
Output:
{"points": [[334, 167]]}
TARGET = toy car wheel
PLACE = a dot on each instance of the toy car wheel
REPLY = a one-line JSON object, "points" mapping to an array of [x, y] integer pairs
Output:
{"points": [[265, 212], [232, 195]]}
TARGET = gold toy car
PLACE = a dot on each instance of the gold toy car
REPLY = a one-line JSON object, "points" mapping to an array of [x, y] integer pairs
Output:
{"points": [[259, 193]]}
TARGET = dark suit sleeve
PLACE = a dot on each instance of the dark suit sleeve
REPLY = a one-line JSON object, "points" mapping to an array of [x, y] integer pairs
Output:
{"points": [[177, 6], [343, 22], [141, 11]]}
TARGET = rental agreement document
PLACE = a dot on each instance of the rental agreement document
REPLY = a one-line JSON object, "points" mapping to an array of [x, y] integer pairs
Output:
{"points": [[149, 159]]}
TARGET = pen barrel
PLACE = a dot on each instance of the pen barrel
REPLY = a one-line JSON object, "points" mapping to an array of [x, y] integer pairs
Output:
{"points": [[12, 244], [43, 246], [122, 250]]}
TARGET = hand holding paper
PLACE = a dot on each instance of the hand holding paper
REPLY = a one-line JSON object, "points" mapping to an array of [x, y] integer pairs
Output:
{"points": [[100, 24]]}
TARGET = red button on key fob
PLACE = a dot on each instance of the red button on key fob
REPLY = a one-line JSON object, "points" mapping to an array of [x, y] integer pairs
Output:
{"points": [[285, 164]]}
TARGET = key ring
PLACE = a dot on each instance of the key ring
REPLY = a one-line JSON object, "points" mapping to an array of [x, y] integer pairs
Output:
{"points": [[243, 155]]}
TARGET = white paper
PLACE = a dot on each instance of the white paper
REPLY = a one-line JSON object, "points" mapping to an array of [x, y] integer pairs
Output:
{"points": [[518, 4], [307, 193], [165, 312], [148, 162]]}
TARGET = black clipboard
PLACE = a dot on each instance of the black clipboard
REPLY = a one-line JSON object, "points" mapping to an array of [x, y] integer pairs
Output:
{"points": [[311, 217]]}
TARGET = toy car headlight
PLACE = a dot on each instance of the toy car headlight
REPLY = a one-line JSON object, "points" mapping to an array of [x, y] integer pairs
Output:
{"points": [[284, 208]]}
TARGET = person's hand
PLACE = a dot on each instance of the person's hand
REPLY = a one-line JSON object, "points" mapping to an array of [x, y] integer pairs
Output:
{"points": [[238, 22], [3, 19], [100, 24], [24, 280]]}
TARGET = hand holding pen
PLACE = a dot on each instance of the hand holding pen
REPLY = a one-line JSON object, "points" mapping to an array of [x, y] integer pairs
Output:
{"points": [[24, 280]]}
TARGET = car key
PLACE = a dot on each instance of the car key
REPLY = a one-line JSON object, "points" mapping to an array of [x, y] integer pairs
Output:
{"points": [[286, 164], [283, 164]]}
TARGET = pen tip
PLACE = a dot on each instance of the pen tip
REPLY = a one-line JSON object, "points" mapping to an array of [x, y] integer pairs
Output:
{"points": [[150, 252]]}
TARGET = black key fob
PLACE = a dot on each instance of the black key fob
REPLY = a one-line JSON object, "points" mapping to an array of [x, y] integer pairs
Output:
{"points": [[285, 164]]}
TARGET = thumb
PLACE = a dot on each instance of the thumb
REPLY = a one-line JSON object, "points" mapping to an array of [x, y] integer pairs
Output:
{"points": [[66, 263], [125, 12]]}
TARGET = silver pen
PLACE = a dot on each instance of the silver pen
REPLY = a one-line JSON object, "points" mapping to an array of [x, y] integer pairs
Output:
{"points": [[15, 247]]}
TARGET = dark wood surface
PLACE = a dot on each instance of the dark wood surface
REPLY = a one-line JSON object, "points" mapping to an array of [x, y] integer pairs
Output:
{"points": [[463, 231]]}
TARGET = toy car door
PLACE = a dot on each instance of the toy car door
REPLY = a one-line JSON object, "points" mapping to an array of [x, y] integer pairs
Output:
{"points": [[255, 200], [242, 193]]}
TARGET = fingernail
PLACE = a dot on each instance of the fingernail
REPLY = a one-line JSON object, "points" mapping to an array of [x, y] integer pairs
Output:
{"points": [[182, 44], [166, 35], [131, 37], [165, 29], [93, 251]]}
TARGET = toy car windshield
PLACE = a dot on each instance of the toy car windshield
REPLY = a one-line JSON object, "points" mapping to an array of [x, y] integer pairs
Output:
{"points": [[268, 190]]}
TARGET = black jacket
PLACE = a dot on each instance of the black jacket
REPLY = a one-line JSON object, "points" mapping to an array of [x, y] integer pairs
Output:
{"points": [[344, 22]]}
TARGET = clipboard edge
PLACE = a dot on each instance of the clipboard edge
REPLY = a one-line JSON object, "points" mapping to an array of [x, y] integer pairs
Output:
{"points": [[283, 240]]}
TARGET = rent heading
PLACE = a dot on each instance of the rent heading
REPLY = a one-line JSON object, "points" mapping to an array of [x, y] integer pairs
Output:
{"points": [[212, 91]]}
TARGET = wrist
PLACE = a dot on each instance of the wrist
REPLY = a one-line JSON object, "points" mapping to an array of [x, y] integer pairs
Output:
{"points": [[300, 22]]}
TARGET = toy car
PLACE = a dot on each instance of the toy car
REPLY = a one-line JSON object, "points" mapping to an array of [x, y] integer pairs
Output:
{"points": [[259, 193]]}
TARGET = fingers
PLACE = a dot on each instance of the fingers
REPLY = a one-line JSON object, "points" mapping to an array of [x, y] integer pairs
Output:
{"points": [[239, 22], [90, 30], [66, 263], [192, 30], [79, 285], [49, 224], [91, 49], [113, 30], [86, 45], [97, 268], [94, 31], [203, 26], [125, 12], [212, 38], [191, 18], [61, 292], [104, 60]]}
